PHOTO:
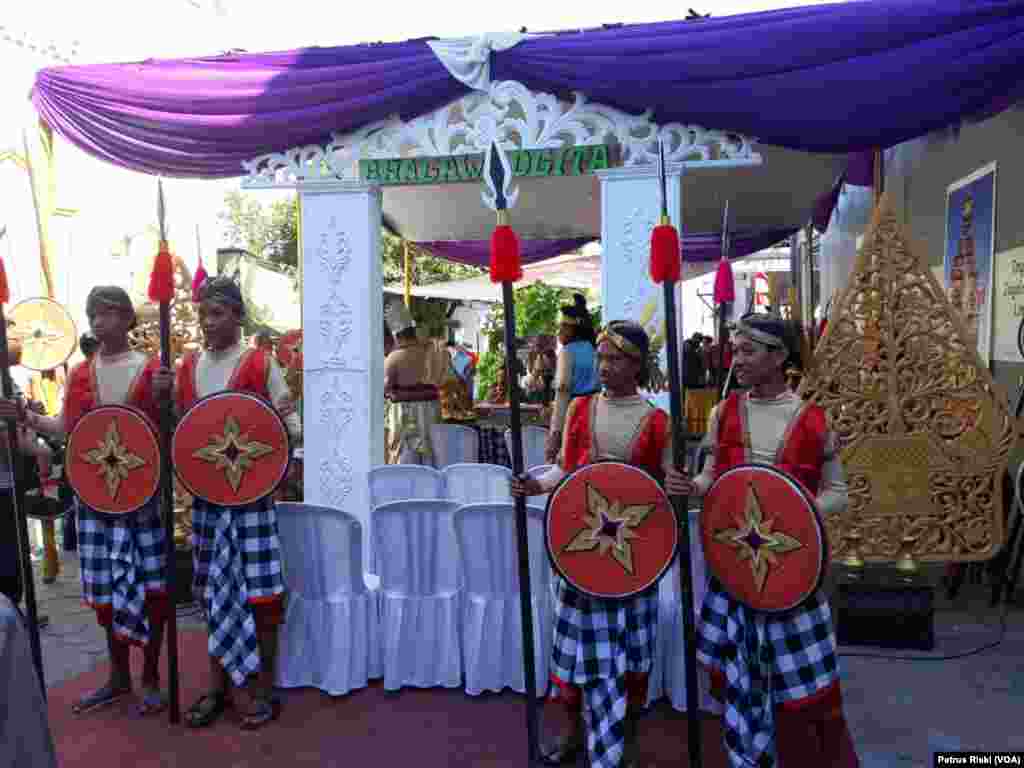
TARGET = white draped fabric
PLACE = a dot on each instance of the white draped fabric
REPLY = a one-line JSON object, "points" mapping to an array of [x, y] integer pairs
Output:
{"points": [[669, 675], [534, 439], [492, 620], [839, 243], [330, 637], [454, 444], [477, 483], [418, 593], [395, 482]]}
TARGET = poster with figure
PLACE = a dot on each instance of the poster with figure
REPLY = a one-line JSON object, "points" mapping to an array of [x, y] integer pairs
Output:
{"points": [[1008, 305], [968, 255]]}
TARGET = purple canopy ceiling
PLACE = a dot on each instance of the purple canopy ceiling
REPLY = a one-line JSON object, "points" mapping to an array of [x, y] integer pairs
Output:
{"points": [[830, 78], [696, 247]]}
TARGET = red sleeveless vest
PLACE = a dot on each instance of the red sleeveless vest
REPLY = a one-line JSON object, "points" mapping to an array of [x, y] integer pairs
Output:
{"points": [[647, 450], [250, 375], [81, 393], [801, 454]]}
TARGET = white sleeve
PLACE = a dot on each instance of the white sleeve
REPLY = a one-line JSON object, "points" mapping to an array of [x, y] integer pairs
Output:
{"points": [[833, 497], [279, 391]]}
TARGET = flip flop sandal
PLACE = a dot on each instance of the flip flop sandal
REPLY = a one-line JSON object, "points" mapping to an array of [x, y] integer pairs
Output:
{"points": [[207, 709], [99, 699], [565, 753], [265, 711], [151, 703]]}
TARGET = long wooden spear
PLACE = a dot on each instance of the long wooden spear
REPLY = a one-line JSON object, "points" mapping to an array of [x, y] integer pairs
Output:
{"points": [[161, 290], [18, 492], [725, 294], [666, 268], [506, 269]]}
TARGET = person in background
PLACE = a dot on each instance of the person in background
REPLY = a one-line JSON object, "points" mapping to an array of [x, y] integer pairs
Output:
{"points": [[776, 674], [87, 345], [693, 363], [576, 370], [413, 403]]}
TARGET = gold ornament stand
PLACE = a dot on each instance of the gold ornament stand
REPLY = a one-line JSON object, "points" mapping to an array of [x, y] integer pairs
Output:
{"points": [[923, 434]]}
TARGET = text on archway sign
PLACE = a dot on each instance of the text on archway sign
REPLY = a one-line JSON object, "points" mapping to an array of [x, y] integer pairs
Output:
{"points": [[452, 169]]}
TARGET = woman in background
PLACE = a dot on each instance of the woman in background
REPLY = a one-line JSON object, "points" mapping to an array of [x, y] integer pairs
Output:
{"points": [[576, 372]]}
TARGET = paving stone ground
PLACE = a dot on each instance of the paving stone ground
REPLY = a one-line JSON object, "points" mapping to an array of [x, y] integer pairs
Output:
{"points": [[899, 711]]}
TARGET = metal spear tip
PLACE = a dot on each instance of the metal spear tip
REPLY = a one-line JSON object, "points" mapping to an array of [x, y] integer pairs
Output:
{"points": [[497, 173], [161, 209]]}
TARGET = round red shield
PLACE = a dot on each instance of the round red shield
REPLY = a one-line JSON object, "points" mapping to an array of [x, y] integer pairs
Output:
{"points": [[610, 530], [762, 537], [231, 449], [113, 459]]}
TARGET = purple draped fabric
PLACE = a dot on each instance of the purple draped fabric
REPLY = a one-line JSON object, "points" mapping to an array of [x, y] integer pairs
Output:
{"points": [[829, 78], [696, 247], [836, 78], [203, 117]]}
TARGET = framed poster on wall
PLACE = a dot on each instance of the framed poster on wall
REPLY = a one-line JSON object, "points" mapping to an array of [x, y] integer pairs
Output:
{"points": [[968, 264], [1008, 306]]}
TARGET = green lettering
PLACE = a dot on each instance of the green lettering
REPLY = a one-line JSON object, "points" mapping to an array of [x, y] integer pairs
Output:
{"points": [[451, 169], [370, 170], [599, 157], [433, 172], [392, 171], [409, 173], [521, 160], [472, 165], [542, 163], [577, 160]]}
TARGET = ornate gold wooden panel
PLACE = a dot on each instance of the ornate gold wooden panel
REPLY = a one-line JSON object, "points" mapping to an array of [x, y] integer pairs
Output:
{"points": [[924, 436]]}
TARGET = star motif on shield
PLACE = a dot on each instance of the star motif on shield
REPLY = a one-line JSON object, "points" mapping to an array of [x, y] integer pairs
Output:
{"points": [[114, 459], [756, 541], [609, 527], [232, 452]]}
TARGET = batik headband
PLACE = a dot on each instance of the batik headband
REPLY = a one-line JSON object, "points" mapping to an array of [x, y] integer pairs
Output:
{"points": [[761, 337], [620, 342]]}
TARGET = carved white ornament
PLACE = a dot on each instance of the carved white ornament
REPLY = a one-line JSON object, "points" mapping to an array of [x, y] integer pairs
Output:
{"points": [[518, 118], [336, 408], [334, 255], [635, 248], [336, 479]]}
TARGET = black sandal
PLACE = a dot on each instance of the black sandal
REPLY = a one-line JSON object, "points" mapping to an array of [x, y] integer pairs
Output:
{"points": [[102, 697], [564, 753], [207, 709], [264, 710]]}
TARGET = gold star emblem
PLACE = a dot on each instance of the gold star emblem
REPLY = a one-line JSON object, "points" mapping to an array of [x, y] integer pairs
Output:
{"points": [[114, 459], [232, 452], [756, 541], [610, 526]]}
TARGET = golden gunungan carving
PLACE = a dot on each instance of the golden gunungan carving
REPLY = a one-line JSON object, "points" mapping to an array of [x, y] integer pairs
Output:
{"points": [[923, 434]]}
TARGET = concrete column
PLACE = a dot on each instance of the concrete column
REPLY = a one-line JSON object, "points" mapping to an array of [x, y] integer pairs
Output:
{"points": [[343, 348]]}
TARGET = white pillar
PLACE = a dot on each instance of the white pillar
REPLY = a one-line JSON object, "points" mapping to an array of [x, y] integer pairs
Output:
{"points": [[630, 209], [343, 347]]}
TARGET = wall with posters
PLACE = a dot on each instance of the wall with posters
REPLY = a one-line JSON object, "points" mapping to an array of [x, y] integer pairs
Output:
{"points": [[919, 189]]}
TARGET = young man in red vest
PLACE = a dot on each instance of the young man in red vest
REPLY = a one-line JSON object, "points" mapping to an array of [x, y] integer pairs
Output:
{"points": [[242, 614], [604, 649], [123, 559], [777, 673]]}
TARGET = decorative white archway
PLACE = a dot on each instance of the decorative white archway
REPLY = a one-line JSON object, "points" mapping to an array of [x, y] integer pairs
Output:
{"points": [[341, 218]]}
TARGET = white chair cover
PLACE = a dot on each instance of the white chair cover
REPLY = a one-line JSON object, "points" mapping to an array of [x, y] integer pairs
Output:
{"points": [[492, 620], [394, 482], [330, 638], [418, 594], [669, 674], [477, 483], [454, 444], [534, 440]]}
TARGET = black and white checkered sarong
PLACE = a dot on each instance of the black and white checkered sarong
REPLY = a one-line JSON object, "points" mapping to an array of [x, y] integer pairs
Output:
{"points": [[596, 643], [121, 559], [237, 558], [766, 659]]}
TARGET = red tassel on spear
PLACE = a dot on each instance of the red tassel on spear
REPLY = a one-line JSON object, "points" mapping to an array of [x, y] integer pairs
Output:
{"points": [[666, 268], [161, 290], [506, 268]]}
